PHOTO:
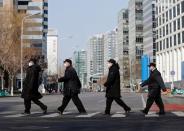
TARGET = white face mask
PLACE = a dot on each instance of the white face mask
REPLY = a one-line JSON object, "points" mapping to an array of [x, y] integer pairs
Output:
{"points": [[109, 65], [30, 63], [66, 65]]}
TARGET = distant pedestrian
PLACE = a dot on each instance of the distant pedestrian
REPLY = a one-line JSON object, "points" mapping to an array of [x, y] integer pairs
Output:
{"points": [[113, 91], [155, 85], [72, 86], [30, 89]]}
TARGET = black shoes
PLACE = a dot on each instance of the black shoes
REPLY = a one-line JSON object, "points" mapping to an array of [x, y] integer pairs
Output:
{"points": [[161, 113], [128, 110], [45, 110], [26, 113], [144, 112]]}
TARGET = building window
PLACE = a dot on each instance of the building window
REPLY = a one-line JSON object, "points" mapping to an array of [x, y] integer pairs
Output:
{"points": [[183, 37], [174, 24], [179, 24], [167, 16], [170, 14], [170, 27], [174, 39], [171, 41], [182, 5], [164, 44], [164, 31], [179, 39], [178, 9], [174, 12], [167, 29], [160, 45], [167, 42], [182, 22]]}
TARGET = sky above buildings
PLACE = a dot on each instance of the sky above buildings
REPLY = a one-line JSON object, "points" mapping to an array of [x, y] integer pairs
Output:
{"points": [[77, 20]]}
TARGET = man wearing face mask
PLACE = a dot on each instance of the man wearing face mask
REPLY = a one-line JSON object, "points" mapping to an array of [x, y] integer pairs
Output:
{"points": [[72, 86], [30, 89], [112, 85], [155, 85]]}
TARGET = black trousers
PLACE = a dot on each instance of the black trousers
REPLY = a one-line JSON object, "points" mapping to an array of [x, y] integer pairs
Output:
{"points": [[27, 104], [76, 101], [157, 100], [109, 101]]}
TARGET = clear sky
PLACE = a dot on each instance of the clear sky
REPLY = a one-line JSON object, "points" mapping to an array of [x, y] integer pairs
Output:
{"points": [[82, 19]]}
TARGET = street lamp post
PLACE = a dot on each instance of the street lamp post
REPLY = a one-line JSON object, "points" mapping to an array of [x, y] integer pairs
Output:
{"points": [[21, 50]]}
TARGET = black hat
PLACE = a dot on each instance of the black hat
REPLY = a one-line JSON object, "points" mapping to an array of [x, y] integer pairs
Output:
{"points": [[112, 61], [152, 64], [69, 61]]}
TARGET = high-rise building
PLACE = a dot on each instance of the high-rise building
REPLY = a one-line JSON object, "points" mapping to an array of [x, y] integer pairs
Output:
{"points": [[109, 47], [135, 40], [95, 57], [35, 27], [170, 39], [80, 64], [122, 51], [53, 52], [149, 33]]}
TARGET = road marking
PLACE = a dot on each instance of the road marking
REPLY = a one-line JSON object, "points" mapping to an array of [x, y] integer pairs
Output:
{"points": [[179, 113], [143, 101], [16, 115], [7, 112], [118, 115], [65, 113], [88, 115], [51, 115], [152, 114]]}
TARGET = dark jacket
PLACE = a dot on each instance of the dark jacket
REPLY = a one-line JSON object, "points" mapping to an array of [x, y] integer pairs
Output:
{"points": [[31, 83], [113, 83], [155, 83], [72, 84]]}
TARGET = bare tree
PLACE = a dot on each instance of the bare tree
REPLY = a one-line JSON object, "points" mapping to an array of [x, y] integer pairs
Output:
{"points": [[10, 45]]}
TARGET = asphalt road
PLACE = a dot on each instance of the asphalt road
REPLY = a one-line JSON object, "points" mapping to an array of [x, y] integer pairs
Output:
{"points": [[12, 120]]}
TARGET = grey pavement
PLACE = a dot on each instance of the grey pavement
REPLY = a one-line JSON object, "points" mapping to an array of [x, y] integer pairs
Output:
{"points": [[11, 118]]}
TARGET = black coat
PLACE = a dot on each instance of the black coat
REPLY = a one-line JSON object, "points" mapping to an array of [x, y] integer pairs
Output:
{"points": [[113, 83], [31, 83], [72, 84], [155, 83]]}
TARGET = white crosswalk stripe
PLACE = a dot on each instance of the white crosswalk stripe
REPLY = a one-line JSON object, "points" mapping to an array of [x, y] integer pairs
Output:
{"points": [[180, 114], [21, 115], [88, 115], [52, 115], [152, 114]]}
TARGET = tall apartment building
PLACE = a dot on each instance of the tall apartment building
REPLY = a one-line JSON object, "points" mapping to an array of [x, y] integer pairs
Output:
{"points": [[53, 52], [95, 57], [36, 27], [149, 32], [122, 47], [170, 39], [80, 64], [109, 47], [135, 39]]}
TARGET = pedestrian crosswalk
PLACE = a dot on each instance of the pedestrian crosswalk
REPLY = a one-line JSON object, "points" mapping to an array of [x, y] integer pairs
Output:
{"points": [[90, 115]]}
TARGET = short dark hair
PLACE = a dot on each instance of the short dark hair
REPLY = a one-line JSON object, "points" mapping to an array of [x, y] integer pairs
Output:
{"points": [[69, 61]]}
